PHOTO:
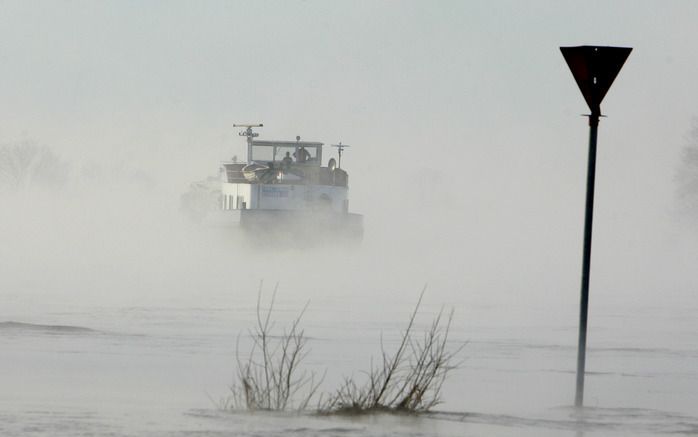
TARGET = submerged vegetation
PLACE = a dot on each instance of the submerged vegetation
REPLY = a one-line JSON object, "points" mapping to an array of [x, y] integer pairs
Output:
{"points": [[406, 380], [270, 378]]}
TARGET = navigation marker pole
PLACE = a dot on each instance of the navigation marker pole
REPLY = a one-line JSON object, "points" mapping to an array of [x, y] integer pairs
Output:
{"points": [[594, 69]]}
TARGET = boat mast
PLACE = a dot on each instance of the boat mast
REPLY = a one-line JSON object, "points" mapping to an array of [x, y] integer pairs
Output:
{"points": [[340, 148], [250, 136]]}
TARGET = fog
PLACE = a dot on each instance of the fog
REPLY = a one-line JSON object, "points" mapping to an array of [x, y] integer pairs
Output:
{"points": [[468, 161]]}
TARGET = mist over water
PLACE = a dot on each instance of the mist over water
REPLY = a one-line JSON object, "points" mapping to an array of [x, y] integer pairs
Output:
{"points": [[157, 304], [120, 317]]}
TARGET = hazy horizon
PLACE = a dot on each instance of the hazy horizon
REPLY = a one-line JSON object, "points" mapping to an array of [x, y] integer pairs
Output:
{"points": [[468, 154]]}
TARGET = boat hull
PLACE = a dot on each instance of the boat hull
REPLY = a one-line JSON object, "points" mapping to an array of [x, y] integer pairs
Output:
{"points": [[275, 225]]}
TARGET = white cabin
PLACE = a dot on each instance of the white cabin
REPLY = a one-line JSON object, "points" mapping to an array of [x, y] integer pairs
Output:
{"points": [[283, 175]]}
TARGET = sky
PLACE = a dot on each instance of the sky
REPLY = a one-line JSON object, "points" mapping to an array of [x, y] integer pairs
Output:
{"points": [[468, 145]]}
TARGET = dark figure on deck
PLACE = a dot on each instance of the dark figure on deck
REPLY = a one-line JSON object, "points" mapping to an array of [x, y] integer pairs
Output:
{"points": [[287, 161], [301, 155]]}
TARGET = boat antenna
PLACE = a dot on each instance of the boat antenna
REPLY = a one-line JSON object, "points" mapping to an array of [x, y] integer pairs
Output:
{"points": [[250, 136], [340, 148]]}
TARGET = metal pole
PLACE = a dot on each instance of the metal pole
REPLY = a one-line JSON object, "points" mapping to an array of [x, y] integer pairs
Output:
{"points": [[249, 143], [586, 259]]}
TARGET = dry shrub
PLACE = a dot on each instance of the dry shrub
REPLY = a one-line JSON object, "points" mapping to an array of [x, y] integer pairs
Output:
{"points": [[271, 378], [408, 380]]}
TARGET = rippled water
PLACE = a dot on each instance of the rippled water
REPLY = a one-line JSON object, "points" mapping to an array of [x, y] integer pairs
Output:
{"points": [[156, 365]]}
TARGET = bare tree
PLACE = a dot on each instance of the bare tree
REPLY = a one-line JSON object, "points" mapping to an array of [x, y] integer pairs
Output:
{"points": [[25, 164]]}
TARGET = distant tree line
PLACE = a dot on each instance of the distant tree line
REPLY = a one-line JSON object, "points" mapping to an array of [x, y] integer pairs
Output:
{"points": [[687, 174], [26, 164]]}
